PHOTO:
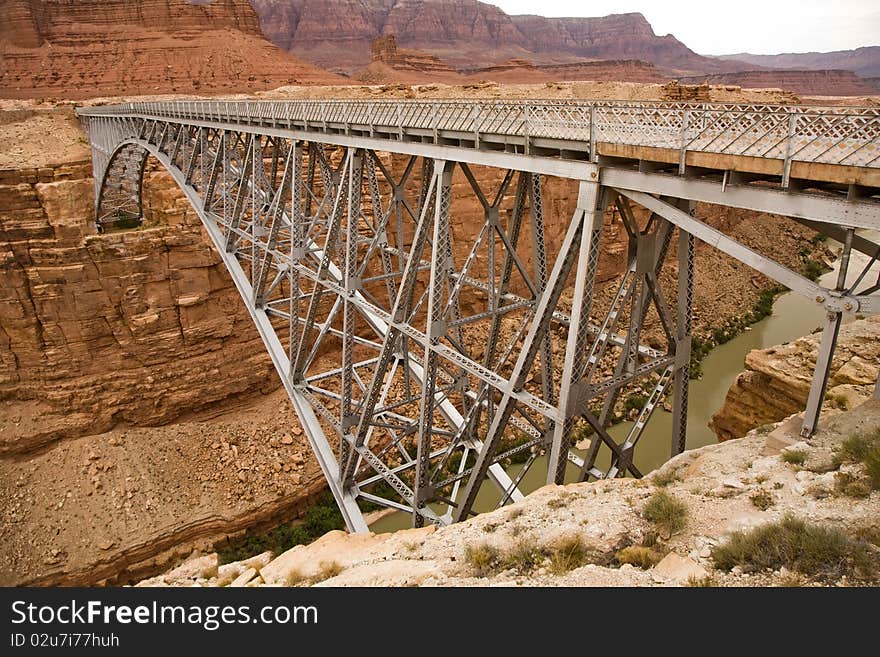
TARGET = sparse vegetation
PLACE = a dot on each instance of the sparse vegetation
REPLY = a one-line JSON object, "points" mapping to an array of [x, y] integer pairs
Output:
{"points": [[295, 578], [323, 516], [563, 555], [812, 550], [524, 556], [482, 558], [794, 456], [668, 513], [762, 499], [863, 448], [634, 402], [328, 569], [560, 500], [567, 554], [813, 269], [857, 447], [850, 486], [701, 582], [665, 476], [872, 467], [640, 556], [791, 580]]}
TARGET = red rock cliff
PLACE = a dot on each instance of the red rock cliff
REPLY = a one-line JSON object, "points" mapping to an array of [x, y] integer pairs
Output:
{"points": [[82, 48]]}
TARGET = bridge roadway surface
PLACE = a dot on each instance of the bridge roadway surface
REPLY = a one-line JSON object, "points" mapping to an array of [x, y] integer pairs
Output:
{"points": [[818, 165]]}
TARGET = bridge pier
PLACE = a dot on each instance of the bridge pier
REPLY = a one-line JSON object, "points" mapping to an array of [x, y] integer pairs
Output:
{"points": [[423, 355]]}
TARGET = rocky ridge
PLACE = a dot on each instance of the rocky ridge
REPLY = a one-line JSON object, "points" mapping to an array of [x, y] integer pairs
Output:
{"points": [[337, 34]]}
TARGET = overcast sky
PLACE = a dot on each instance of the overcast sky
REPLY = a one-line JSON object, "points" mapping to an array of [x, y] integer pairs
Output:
{"points": [[714, 27]]}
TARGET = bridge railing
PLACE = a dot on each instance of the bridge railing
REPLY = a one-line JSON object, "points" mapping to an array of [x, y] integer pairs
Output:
{"points": [[831, 135]]}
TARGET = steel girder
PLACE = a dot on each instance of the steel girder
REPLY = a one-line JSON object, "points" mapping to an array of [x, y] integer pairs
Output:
{"points": [[421, 356]]}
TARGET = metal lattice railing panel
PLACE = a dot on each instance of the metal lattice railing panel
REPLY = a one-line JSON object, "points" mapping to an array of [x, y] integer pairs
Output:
{"points": [[831, 135]]}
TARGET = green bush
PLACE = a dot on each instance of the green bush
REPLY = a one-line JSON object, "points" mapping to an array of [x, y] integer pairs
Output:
{"points": [[813, 550], [666, 511], [794, 456], [813, 269], [634, 403], [323, 516]]}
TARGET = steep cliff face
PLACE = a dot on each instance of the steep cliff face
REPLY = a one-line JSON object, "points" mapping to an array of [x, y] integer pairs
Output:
{"points": [[67, 22], [337, 33], [97, 330], [776, 381], [619, 36], [814, 83], [82, 48]]}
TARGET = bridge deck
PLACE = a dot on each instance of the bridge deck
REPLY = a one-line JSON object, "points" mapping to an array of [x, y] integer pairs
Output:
{"points": [[838, 145]]}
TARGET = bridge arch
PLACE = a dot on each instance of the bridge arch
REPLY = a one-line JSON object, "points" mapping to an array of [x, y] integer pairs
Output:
{"points": [[119, 199]]}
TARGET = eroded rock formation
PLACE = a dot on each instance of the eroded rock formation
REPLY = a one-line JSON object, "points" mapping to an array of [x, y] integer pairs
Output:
{"points": [[98, 330], [337, 33], [776, 381], [85, 48]]}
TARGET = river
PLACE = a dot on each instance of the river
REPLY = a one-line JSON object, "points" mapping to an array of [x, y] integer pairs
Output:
{"points": [[793, 316]]}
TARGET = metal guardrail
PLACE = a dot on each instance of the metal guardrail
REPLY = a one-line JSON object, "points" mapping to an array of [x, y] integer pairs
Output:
{"points": [[828, 135]]}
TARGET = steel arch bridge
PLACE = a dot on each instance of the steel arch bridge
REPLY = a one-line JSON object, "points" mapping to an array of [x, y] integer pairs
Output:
{"points": [[418, 373]]}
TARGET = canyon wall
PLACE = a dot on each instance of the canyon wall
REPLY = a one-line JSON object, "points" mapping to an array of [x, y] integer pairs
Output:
{"points": [[87, 48], [337, 34], [863, 61], [121, 328], [103, 337], [776, 381], [814, 83]]}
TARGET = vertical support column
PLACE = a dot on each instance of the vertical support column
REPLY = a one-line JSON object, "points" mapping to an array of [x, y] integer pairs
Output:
{"points": [[830, 332], [347, 419], [592, 201], [540, 323], [536, 203], [297, 251], [435, 329], [683, 334]]}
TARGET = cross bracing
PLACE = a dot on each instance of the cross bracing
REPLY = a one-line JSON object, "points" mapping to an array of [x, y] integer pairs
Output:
{"points": [[422, 357]]}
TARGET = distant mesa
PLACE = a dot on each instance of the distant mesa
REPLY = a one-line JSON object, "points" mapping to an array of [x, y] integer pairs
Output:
{"points": [[813, 83], [88, 48]]}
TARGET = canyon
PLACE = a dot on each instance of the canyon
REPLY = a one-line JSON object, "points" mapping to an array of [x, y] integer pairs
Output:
{"points": [[140, 417], [129, 369], [337, 34]]}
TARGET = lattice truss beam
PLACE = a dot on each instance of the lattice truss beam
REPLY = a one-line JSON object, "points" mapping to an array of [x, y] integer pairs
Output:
{"points": [[424, 353]]}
